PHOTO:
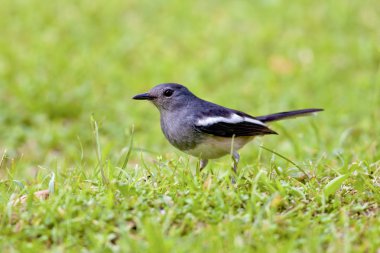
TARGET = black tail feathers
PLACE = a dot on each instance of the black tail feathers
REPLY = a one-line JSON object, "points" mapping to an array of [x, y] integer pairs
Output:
{"points": [[287, 115]]}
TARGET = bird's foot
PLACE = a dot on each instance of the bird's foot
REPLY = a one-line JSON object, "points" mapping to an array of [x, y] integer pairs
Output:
{"points": [[203, 164]]}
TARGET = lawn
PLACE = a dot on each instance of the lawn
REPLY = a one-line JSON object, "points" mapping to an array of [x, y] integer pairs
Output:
{"points": [[84, 168]]}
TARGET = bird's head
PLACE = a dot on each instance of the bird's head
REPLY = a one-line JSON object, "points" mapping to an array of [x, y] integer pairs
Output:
{"points": [[167, 96]]}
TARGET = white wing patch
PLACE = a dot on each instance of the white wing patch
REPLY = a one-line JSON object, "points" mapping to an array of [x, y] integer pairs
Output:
{"points": [[233, 119], [254, 121]]}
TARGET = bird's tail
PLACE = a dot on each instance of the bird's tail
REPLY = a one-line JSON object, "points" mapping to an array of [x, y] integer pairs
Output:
{"points": [[287, 115]]}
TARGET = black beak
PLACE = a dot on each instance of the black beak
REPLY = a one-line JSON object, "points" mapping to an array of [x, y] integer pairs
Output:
{"points": [[144, 96]]}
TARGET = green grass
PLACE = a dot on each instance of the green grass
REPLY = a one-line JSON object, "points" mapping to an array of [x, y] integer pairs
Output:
{"points": [[68, 71]]}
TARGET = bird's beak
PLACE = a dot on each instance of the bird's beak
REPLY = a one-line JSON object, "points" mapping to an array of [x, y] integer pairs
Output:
{"points": [[144, 96]]}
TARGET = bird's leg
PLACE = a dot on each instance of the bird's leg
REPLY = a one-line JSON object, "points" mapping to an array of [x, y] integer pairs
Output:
{"points": [[203, 164], [235, 158]]}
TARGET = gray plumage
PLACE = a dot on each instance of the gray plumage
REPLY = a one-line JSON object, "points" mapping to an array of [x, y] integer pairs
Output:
{"points": [[204, 129]]}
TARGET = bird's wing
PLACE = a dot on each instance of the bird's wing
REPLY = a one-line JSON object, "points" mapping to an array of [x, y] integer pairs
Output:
{"points": [[230, 123]]}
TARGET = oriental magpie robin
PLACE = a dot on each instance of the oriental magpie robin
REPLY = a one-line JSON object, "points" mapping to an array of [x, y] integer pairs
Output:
{"points": [[207, 130]]}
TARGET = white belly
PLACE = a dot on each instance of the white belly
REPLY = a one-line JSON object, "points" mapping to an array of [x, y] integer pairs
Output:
{"points": [[214, 147]]}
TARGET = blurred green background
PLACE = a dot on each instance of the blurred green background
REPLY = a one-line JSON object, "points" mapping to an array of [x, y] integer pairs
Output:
{"points": [[63, 61]]}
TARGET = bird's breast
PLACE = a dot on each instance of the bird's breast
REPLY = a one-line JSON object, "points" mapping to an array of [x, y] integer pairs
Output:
{"points": [[179, 131], [212, 147]]}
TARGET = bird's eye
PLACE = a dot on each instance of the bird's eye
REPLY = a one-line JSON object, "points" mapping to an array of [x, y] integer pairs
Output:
{"points": [[168, 92]]}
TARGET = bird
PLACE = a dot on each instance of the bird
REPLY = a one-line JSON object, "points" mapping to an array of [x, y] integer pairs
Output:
{"points": [[206, 130]]}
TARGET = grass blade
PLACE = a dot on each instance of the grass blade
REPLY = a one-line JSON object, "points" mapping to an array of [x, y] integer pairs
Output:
{"points": [[286, 159], [98, 149], [334, 185], [130, 147], [52, 183]]}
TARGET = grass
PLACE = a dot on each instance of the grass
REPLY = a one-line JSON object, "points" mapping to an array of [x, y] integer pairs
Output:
{"points": [[68, 71]]}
